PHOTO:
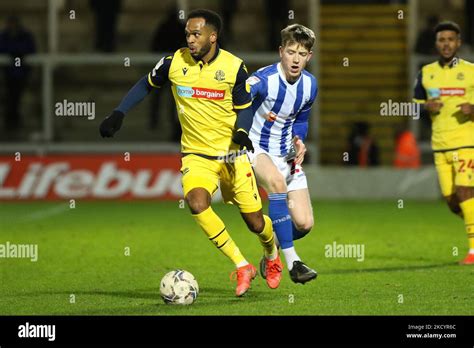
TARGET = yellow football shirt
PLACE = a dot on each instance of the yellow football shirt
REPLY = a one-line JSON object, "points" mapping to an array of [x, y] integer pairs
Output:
{"points": [[453, 84], [206, 96]]}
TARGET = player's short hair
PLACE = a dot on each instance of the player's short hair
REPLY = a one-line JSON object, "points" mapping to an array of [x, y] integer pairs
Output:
{"points": [[297, 33], [211, 18], [447, 25]]}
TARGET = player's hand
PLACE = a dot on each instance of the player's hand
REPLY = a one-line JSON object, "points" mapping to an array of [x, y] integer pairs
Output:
{"points": [[433, 105], [111, 124], [300, 150], [466, 108], [242, 138]]}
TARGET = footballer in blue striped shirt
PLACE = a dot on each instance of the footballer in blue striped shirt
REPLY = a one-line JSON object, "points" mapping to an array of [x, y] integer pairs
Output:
{"points": [[282, 96]]}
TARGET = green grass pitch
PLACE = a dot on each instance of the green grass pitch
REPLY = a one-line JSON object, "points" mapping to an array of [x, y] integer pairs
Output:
{"points": [[408, 269]]}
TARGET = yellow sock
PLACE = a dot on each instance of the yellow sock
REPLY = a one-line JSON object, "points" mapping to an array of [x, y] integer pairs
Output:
{"points": [[468, 212], [215, 229], [267, 239]]}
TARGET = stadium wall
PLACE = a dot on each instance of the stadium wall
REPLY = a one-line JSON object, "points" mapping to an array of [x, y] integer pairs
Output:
{"points": [[157, 177], [372, 184]]}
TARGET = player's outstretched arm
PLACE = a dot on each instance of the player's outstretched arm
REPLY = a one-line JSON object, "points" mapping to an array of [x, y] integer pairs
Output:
{"points": [[113, 123], [156, 78]]}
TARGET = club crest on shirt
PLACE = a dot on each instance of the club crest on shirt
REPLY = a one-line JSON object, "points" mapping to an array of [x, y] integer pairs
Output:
{"points": [[271, 117], [219, 76], [460, 76]]}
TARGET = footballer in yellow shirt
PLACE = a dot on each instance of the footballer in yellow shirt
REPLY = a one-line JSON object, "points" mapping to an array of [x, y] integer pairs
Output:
{"points": [[446, 90], [213, 102]]}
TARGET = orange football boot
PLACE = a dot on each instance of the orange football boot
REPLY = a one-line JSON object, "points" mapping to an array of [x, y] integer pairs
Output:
{"points": [[273, 272], [244, 275], [469, 260]]}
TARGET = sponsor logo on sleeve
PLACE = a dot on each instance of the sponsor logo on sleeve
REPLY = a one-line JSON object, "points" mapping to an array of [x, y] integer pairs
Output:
{"points": [[252, 80]]}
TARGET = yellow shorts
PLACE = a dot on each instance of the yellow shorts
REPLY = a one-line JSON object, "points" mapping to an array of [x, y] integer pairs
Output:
{"points": [[237, 180], [455, 168]]}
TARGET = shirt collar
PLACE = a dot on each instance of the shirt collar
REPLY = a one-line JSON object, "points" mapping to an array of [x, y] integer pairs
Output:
{"points": [[210, 60], [283, 76], [215, 54], [452, 63]]}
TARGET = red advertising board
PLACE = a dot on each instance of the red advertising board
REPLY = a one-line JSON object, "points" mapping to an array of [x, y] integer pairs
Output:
{"points": [[58, 177]]}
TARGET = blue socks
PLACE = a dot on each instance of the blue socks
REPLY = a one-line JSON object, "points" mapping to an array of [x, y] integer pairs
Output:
{"points": [[281, 219]]}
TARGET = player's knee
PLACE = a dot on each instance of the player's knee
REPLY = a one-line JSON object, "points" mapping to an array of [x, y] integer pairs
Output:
{"points": [[464, 193], [254, 221], [197, 204], [256, 224], [197, 207]]}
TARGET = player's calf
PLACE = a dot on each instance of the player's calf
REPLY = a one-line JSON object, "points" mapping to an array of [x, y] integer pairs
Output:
{"points": [[302, 228]]}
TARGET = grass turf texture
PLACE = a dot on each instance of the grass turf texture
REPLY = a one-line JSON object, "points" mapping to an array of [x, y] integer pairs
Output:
{"points": [[408, 252]]}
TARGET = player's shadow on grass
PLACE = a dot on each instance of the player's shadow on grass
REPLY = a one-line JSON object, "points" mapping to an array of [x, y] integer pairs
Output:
{"points": [[391, 269], [208, 297], [217, 295]]}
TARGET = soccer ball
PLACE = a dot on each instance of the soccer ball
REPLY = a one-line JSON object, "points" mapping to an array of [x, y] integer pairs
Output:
{"points": [[179, 287]]}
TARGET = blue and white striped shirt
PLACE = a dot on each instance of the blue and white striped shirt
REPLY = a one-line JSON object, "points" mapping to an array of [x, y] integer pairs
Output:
{"points": [[281, 110]]}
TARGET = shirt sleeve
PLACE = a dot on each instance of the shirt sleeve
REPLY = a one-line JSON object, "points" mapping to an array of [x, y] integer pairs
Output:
{"points": [[256, 83], [300, 126], [419, 95], [241, 97], [159, 75], [135, 95], [309, 104]]}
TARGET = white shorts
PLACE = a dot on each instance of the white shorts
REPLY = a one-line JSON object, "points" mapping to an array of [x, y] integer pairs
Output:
{"points": [[294, 174]]}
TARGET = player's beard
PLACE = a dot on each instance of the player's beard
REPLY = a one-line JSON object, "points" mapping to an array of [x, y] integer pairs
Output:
{"points": [[203, 51], [449, 57]]}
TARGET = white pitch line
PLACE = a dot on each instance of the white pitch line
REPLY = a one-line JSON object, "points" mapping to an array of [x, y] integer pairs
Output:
{"points": [[45, 213]]}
